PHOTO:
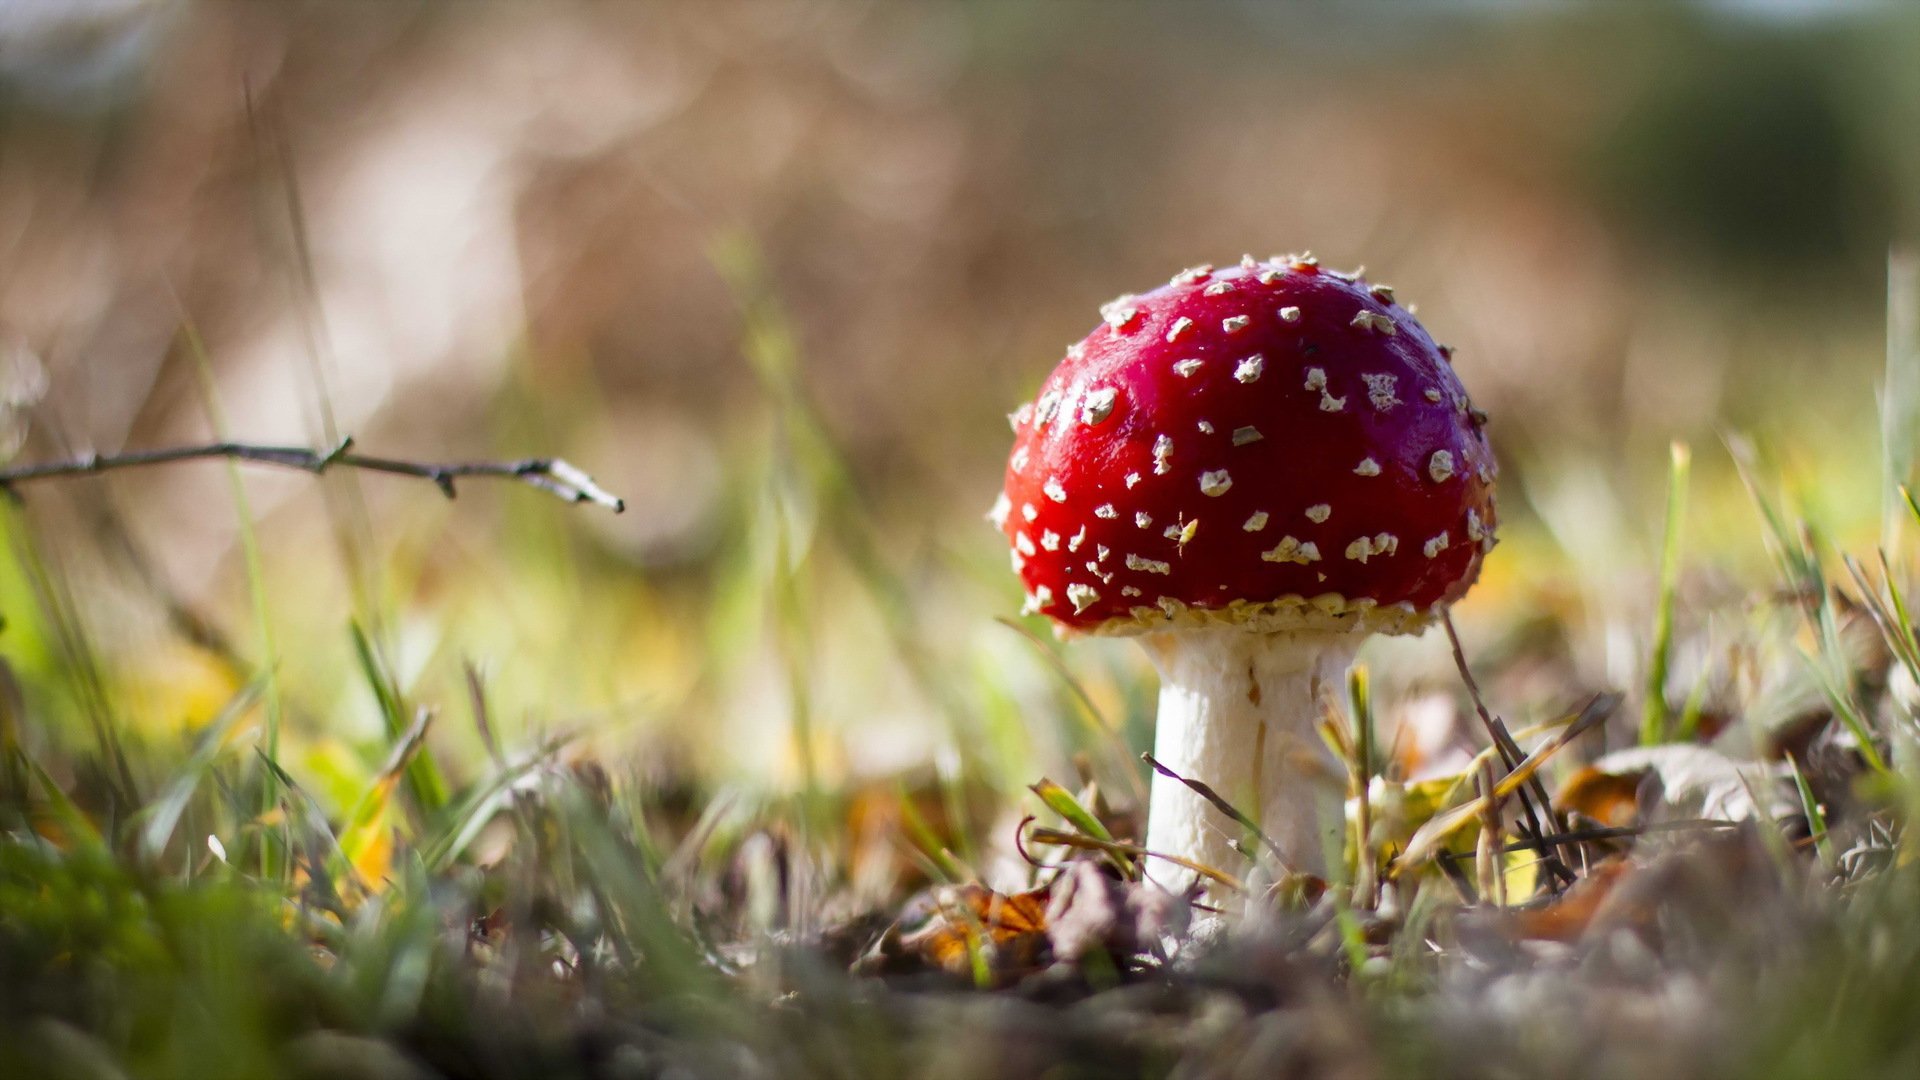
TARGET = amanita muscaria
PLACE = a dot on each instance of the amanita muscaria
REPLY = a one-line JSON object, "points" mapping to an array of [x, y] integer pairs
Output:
{"points": [[1250, 470]]}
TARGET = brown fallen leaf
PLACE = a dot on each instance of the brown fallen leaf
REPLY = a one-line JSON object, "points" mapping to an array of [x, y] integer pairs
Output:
{"points": [[1567, 917], [1679, 780], [967, 930], [1609, 798]]}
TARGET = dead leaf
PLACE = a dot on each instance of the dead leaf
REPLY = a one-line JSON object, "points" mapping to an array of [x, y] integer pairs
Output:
{"points": [[1092, 910], [1612, 799], [966, 930], [1680, 780], [1567, 917]]}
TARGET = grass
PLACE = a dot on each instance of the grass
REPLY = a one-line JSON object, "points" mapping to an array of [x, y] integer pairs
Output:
{"points": [[381, 866]]}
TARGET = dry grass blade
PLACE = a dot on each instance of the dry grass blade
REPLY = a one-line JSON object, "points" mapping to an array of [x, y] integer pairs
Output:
{"points": [[1201, 789], [1040, 834], [1533, 802], [1887, 608], [1609, 832], [1427, 839]]}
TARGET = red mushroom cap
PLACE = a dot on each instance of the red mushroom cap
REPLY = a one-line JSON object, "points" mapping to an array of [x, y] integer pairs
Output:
{"points": [[1274, 444]]}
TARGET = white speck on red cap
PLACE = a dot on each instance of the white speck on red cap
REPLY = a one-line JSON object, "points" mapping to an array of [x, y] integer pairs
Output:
{"points": [[1097, 405], [1374, 321], [1291, 550], [1380, 544], [1002, 506], [1047, 408], [1380, 390]]}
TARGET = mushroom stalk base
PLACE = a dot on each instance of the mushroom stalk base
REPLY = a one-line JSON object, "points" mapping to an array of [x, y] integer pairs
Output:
{"points": [[1239, 711]]}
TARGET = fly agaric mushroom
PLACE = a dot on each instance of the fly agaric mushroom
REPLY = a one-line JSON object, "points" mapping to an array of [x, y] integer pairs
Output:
{"points": [[1251, 470]]}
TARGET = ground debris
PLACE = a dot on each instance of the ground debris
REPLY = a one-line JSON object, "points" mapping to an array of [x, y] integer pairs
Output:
{"points": [[964, 930], [1092, 910]]}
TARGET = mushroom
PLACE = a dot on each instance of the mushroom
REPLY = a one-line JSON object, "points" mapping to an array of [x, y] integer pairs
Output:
{"points": [[1253, 469]]}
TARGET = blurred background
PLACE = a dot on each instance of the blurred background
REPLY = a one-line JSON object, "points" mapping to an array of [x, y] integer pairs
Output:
{"points": [[776, 272]]}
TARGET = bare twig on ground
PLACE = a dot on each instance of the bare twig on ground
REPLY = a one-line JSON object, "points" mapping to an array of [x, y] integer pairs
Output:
{"points": [[552, 475]]}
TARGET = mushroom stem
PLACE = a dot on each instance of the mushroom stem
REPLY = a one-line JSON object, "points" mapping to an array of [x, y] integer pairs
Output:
{"points": [[1239, 711]]}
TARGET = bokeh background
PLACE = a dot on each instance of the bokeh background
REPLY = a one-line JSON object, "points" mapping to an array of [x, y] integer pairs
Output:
{"points": [[776, 272]]}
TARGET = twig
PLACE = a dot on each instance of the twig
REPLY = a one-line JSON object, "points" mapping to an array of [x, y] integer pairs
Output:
{"points": [[552, 475], [1201, 789]]}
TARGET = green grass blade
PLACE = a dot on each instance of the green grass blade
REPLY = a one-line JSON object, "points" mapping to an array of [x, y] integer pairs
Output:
{"points": [[468, 817], [255, 569], [1900, 391], [164, 813], [922, 836], [1656, 718], [1816, 820], [73, 821], [425, 784], [1061, 801], [1102, 730]]}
